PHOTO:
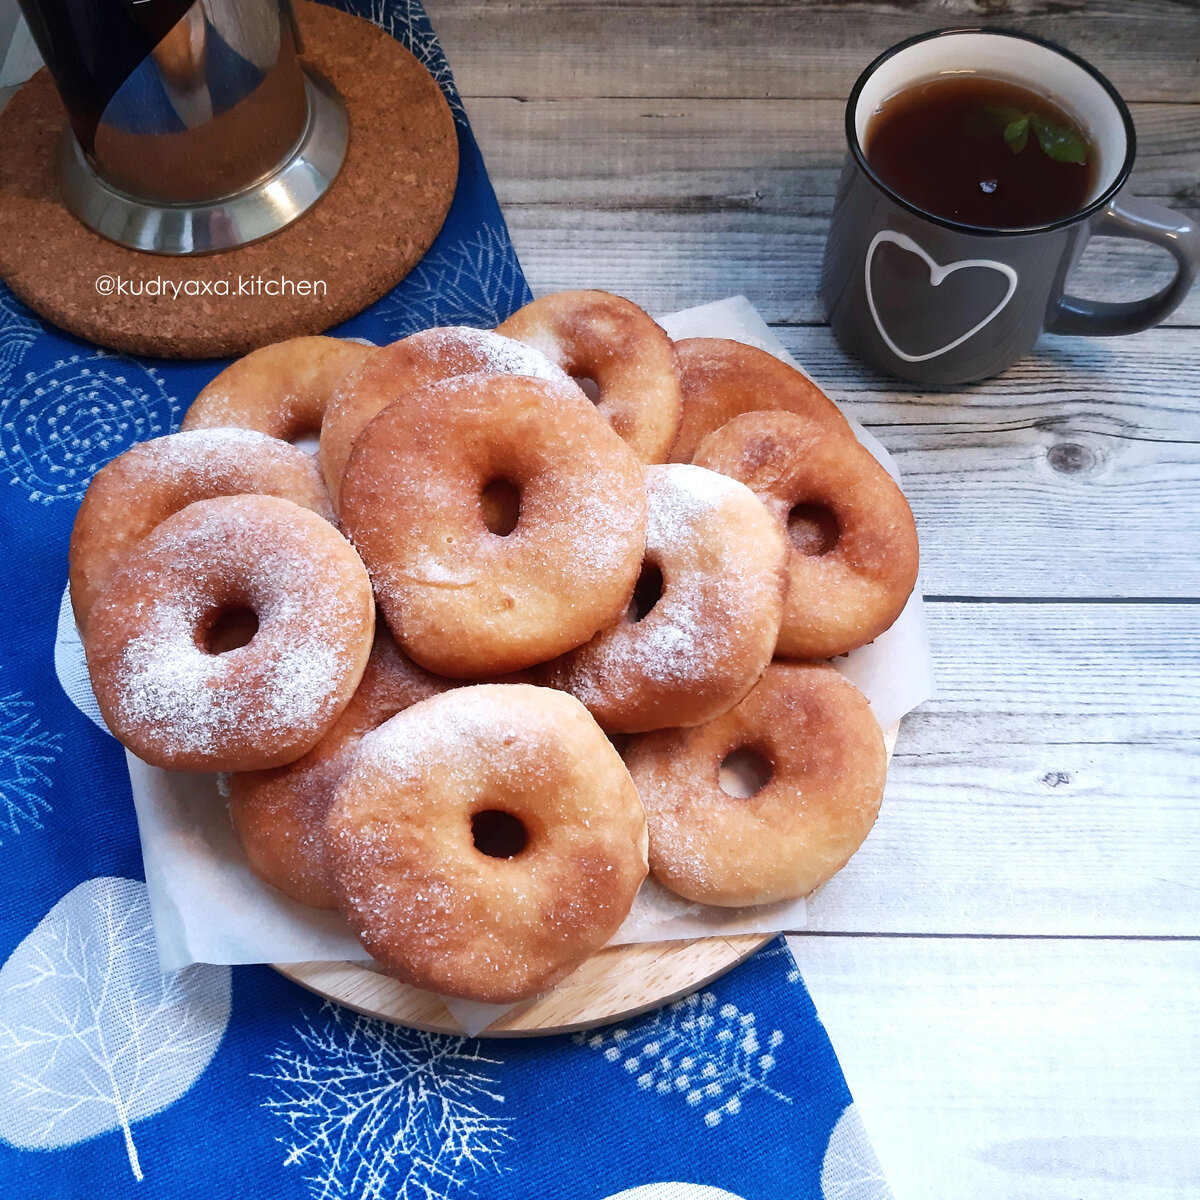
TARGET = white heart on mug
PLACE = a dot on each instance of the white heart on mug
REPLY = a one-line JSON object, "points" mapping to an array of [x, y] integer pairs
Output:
{"points": [[937, 274]]}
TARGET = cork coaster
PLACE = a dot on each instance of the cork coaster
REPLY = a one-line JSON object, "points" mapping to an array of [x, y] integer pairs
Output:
{"points": [[372, 227]]}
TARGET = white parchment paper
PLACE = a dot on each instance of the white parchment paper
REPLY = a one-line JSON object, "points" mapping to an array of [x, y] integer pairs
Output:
{"points": [[208, 906]]}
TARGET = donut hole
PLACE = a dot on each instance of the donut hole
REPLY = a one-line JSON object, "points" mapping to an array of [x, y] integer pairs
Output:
{"points": [[589, 387], [745, 772], [227, 629], [813, 528], [308, 440], [500, 503], [647, 592], [498, 834]]}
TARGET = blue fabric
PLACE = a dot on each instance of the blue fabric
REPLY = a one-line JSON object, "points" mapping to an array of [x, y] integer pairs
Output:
{"points": [[219, 1083]]}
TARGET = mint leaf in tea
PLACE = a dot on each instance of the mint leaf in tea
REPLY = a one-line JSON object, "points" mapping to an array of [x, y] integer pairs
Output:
{"points": [[981, 151]]}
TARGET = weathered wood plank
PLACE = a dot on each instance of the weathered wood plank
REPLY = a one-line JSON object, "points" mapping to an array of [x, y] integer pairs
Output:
{"points": [[1073, 474], [711, 155], [671, 260], [1017, 675], [587, 48], [1036, 838], [1050, 786], [664, 201], [1001, 1070]]}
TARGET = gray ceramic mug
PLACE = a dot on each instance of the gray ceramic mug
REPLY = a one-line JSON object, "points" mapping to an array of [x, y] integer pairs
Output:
{"points": [[943, 303]]}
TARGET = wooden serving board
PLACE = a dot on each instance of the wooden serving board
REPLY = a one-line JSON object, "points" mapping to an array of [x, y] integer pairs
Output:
{"points": [[615, 983]]}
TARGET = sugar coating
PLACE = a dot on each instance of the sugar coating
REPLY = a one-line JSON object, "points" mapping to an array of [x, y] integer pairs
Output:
{"points": [[713, 627], [481, 350], [435, 909], [463, 600], [285, 680]]}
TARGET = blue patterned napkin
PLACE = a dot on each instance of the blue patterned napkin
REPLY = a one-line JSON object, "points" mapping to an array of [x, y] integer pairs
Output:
{"points": [[212, 1082]]}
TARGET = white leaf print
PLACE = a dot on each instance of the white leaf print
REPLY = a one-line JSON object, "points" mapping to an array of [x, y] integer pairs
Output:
{"points": [[59, 425], [850, 1170], [26, 750], [18, 331], [708, 1055], [379, 1112], [408, 23], [674, 1191], [475, 281], [780, 949], [93, 1037]]}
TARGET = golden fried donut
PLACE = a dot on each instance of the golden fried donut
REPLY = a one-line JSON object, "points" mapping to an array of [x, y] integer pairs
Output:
{"points": [[279, 814], [853, 563], [281, 389], [612, 342], [151, 481], [705, 615], [175, 704], [722, 379], [425, 357], [468, 602], [815, 748], [486, 841]]}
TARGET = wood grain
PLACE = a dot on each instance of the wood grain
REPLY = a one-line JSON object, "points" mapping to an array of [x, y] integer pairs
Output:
{"points": [[599, 48], [1018, 1070], [667, 201], [1050, 786], [1073, 474], [618, 982]]}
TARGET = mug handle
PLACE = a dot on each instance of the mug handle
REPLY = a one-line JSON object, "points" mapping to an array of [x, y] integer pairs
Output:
{"points": [[1147, 222]]}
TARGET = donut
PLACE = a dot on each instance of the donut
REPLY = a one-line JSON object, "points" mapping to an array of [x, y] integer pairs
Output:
{"points": [[853, 562], [706, 611], [425, 357], [808, 737], [148, 483], [281, 389], [463, 600], [611, 342], [176, 704], [486, 841], [279, 814], [722, 379]]}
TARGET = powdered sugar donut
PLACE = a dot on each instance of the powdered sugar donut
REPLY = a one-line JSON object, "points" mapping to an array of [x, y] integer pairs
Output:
{"points": [[280, 814], [853, 563], [705, 615], [610, 341], [177, 705], [281, 389], [468, 601], [820, 759], [425, 357], [153, 480], [722, 379], [486, 841]]}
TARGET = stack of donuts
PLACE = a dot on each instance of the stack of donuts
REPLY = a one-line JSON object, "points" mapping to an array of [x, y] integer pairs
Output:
{"points": [[550, 608]]}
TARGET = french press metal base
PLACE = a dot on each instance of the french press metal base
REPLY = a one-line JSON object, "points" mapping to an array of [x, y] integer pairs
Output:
{"points": [[204, 227]]}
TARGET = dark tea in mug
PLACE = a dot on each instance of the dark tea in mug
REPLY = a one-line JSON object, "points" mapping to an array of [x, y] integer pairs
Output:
{"points": [[980, 162], [982, 151]]}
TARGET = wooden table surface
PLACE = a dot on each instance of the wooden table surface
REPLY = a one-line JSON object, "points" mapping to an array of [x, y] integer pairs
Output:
{"points": [[1010, 968]]}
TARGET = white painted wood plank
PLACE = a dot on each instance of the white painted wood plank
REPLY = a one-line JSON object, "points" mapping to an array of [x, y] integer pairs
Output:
{"points": [[721, 185], [669, 260], [1019, 1070], [1051, 675], [1076, 473], [1052, 787], [754, 48]]}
